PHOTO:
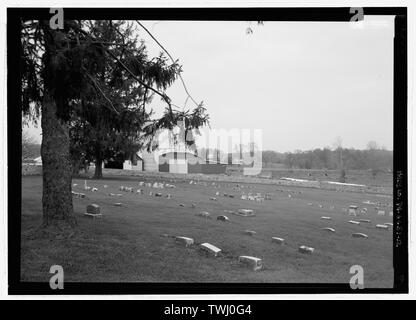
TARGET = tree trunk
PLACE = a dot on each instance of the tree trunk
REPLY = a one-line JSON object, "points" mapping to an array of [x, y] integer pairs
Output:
{"points": [[98, 168], [57, 169]]}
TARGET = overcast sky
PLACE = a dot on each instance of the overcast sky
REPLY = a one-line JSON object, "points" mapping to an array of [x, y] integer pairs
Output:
{"points": [[303, 83]]}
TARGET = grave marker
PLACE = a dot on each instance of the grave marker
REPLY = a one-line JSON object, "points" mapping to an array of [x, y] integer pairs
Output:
{"points": [[329, 229], [223, 218], [278, 240], [306, 249], [250, 232], [253, 262], [204, 214], [185, 240], [210, 248], [359, 235], [93, 211]]}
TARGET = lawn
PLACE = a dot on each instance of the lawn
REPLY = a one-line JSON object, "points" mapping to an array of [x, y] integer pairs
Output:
{"points": [[135, 242]]}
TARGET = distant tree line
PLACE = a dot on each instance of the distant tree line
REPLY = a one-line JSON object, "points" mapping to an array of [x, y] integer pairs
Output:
{"points": [[340, 158]]}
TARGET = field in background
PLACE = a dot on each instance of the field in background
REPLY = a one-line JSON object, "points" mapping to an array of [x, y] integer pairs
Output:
{"points": [[129, 243], [382, 179]]}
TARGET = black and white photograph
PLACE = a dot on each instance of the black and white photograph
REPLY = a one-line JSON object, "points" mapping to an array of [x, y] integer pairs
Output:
{"points": [[163, 150]]}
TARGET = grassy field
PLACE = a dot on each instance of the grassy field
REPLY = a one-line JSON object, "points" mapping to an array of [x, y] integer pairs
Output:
{"points": [[134, 243]]}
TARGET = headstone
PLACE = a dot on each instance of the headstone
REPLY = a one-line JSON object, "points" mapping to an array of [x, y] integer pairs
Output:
{"points": [[306, 249], [365, 220], [246, 212], [381, 212], [353, 222], [329, 229], [210, 248], [118, 204], [252, 262], [382, 226], [93, 210], [223, 218], [75, 184], [278, 240], [249, 232], [185, 240], [204, 214], [352, 210], [389, 224], [326, 218], [359, 235]]}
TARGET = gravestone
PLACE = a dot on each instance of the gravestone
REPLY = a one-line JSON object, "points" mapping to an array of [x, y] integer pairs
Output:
{"points": [[359, 235], [326, 218], [207, 247], [223, 218], [203, 214], [278, 240], [306, 249], [185, 240], [353, 222], [329, 229], [245, 212], [93, 211], [252, 262], [249, 232], [365, 220], [382, 226]]}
